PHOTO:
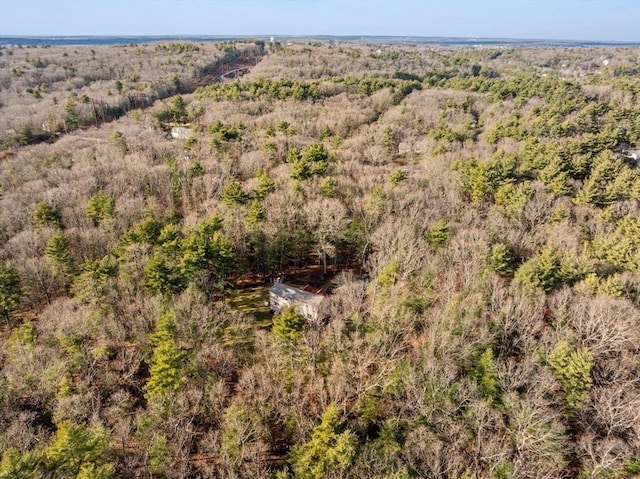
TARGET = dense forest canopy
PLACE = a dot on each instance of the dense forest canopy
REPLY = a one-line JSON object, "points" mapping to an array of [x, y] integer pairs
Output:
{"points": [[473, 213]]}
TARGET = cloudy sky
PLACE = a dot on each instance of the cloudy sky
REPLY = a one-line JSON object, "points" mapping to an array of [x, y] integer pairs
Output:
{"points": [[599, 20]]}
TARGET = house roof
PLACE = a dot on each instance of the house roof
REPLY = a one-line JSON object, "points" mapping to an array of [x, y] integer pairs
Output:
{"points": [[293, 294]]}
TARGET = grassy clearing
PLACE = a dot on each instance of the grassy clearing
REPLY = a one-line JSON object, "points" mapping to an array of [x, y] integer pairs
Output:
{"points": [[253, 302]]}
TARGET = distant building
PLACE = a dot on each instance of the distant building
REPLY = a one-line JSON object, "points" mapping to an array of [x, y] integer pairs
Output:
{"points": [[180, 132], [306, 302]]}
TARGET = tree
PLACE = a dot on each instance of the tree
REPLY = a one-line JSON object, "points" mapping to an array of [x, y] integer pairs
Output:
{"points": [[537, 437], [26, 136], [119, 142], [327, 187], [167, 362], [603, 186], [91, 285], [147, 230], [76, 450], [544, 271], [179, 107], [328, 450], [233, 193], [311, 161], [100, 207], [389, 140], [485, 375], [619, 248], [265, 186], [175, 113], [59, 255], [502, 259], [206, 255], [288, 324], [315, 152], [257, 213], [239, 435], [10, 290], [16, 465], [325, 133], [163, 275], [513, 199], [438, 234], [44, 214], [479, 181], [326, 218], [72, 119], [572, 367], [283, 126]]}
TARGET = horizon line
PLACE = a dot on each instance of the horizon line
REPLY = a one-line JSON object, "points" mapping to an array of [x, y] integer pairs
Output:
{"points": [[323, 36]]}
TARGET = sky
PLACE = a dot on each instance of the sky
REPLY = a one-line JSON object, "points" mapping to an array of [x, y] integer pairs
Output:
{"points": [[589, 20]]}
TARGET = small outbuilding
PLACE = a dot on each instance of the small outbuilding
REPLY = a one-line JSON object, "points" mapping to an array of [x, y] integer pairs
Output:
{"points": [[282, 295]]}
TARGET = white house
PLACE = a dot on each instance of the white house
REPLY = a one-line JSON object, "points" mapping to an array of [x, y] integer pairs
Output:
{"points": [[282, 295], [180, 132]]}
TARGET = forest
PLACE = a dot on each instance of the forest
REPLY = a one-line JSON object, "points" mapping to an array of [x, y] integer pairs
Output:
{"points": [[472, 212]]}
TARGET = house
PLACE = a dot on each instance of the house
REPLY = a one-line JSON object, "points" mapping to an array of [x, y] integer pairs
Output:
{"points": [[180, 132], [282, 295]]}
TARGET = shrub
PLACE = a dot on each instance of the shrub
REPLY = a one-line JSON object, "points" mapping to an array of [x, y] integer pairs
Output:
{"points": [[119, 142], [485, 375], [438, 234], [327, 187], [389, 274], [397, 177]]}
